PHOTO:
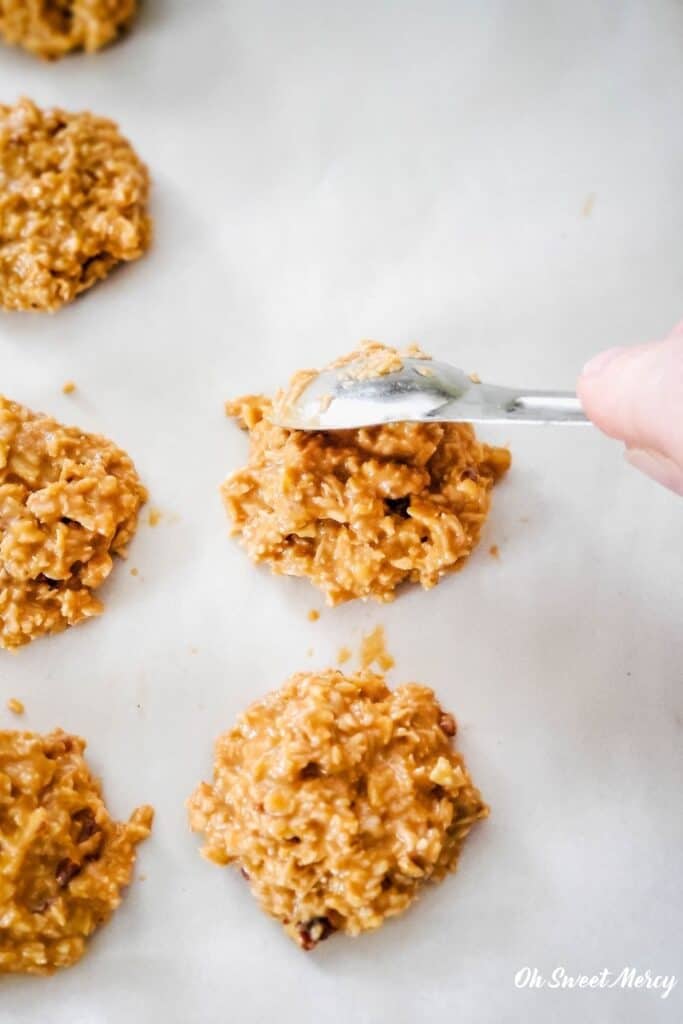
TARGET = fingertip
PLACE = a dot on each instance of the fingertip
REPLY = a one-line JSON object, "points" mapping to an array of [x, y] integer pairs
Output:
{"points": [[598, 363], [658, 467], [597, 396], [636, 394]]}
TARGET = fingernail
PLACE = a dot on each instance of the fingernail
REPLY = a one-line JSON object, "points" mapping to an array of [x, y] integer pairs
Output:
{"points": [[598, 363], [657, 466]]}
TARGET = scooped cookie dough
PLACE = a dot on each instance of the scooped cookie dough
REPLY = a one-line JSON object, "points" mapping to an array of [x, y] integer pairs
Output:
{"points": [[69, 502], [339, 800], [73, 204], [51, 28], [361, 511], [63, 861]]}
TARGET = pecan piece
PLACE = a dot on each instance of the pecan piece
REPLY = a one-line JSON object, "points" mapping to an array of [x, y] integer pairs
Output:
{"points": [[88, 826], [314, 931], [447, 724], [66, 870]]}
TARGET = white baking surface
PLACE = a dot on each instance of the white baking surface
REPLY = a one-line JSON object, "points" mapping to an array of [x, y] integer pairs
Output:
{"points": [[325, 172]]}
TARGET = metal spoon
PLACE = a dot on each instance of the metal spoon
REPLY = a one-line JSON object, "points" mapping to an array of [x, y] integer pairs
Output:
{"points": [[423, 391]]}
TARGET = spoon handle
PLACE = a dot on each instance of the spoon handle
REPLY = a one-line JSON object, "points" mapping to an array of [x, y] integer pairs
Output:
{"points": [[489, 403], [543, 407]]}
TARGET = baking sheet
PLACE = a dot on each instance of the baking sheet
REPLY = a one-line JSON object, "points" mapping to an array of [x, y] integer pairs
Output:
{"points": [[502, 183]]}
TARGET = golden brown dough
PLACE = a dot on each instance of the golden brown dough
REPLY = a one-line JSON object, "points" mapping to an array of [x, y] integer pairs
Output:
{"points": [[339, 800], [69, 502], [73, 204], [63, 861], [361, 511], [51, 28]]}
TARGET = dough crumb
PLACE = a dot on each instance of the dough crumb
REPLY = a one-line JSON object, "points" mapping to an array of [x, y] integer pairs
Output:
{"points": [[339, 800], [373, 651], [494, 551], [588, 204], [15, 706], [343, 655], [154, 517], [475, 378], [313, 615], [134, 571], [373, 359], [68, 388]]}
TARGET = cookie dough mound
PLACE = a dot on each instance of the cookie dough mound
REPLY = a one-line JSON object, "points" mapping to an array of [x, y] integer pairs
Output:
{"points": [[72, 204], [69, 501], [361, 511], [339, 799], [51, 28], [63, 861]]}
